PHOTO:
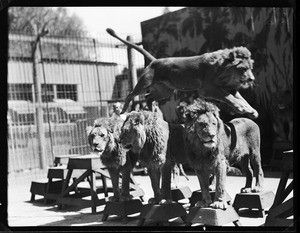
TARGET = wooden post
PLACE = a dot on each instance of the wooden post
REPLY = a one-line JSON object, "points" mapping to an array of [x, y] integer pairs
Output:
{"points": [[38, 100], [131, 66]]}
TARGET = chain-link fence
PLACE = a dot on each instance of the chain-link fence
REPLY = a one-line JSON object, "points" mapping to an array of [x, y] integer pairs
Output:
{"points": [[57, 86]]}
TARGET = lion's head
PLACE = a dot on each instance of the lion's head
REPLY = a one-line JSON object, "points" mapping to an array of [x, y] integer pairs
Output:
{"points": [[102, 135], [202, 123], [98, 138], [235, 68], [133, 133]]}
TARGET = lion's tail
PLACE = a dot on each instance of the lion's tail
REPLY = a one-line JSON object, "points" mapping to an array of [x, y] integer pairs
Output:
{"points": [[136, 47], [182, 171]]}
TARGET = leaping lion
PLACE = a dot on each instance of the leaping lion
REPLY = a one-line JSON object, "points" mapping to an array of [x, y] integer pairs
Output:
{"points": [[217, 75]]}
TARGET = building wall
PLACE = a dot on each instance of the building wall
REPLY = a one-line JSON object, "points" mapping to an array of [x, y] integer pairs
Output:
{"points": [[67, 61], [85, 76]]}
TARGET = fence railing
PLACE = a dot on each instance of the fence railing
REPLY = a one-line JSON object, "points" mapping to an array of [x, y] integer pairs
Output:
{"points": [[80, 78]]}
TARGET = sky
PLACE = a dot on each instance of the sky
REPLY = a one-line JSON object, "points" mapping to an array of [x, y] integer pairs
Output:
{"points": [[125, 20]]}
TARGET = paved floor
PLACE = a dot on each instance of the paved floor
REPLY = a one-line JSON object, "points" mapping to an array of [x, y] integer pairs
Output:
{"points": [[22, 212]]}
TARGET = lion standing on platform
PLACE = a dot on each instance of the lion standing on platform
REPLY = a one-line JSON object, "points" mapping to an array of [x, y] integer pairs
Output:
{"points": [[159, 146], [103, 139], [212, 145]]}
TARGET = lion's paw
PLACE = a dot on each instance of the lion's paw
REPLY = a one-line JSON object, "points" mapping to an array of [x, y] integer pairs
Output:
{"points": [[219, 205], [153, 201], [202, 204], [126, 198], [165, 201], [257, 189], [246, 190], [113, 199]]}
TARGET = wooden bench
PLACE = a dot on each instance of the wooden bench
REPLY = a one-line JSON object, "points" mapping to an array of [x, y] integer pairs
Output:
{"points": [[89, 165], [49, 187]]}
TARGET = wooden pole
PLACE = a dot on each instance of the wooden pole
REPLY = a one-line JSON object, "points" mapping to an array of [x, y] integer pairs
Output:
{"points": [[38, 100], [131, 66]]}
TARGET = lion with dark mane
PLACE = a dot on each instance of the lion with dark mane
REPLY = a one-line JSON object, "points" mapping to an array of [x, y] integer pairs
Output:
{"points": [[217, 75], [159, 146], [213, 144], [103, 139]]}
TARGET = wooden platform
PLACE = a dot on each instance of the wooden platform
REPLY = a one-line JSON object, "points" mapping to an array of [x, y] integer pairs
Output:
{"points": [[63, 159], [161, 213], [42, 188], [181, 193], [212, 217], [122, 209], [54, 184], [90, 165], [261, 201], [197, 196]]}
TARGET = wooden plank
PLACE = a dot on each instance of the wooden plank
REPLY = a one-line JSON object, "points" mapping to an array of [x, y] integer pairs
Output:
{"points": [[66, 189], [270, 221], [85, 162], [281, 209], [281, 187], [79, 202], [63, 159], [105, 173], [287, 191], [61, 172]]}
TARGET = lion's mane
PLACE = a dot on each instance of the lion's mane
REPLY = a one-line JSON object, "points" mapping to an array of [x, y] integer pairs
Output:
{"points": [[198, 151], [228, 60], [156, 130]]}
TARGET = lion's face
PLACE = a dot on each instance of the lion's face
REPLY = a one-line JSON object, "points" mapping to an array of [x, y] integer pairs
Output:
{"points": [[98, 138], [236, 71], [133, 134], [203, 126], [242, 75]]}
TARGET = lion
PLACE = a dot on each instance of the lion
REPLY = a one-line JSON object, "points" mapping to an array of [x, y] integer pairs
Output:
{"points": [[103, 139], [217, 75], [159, 146], [213, 144]]}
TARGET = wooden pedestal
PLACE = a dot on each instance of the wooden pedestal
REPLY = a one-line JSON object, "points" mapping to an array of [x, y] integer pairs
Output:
{"points": [[260, 201], [197, 196], [212, 217], [42, 188], [161, 213], [181, 193], [122, 209]]}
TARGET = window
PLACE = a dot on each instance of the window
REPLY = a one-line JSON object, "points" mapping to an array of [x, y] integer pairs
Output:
{"points": [[20, 92], [47, 93], [67, 91], [25, 92]]}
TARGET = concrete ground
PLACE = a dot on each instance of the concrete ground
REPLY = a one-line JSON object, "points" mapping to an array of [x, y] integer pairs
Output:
{"points": [[22, 212]]}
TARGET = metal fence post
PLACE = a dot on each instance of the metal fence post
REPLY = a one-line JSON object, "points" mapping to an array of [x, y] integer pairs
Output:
{"points": [[131, 66]]}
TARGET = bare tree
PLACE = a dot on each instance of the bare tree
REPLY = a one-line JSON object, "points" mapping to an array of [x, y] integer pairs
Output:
{"points": [[56, 19]]}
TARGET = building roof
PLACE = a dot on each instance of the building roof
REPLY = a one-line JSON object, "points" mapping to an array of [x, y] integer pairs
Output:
{"points": [[67, 105], [21, 106], [26, 107]]}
